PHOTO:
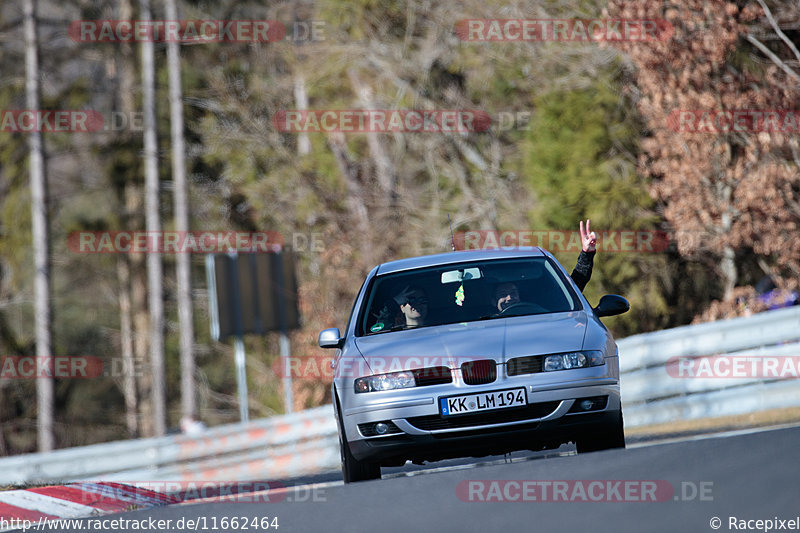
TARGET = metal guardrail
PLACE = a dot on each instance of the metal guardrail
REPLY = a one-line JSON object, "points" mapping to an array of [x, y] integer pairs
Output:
{"points": [[279, 447], [651, 395], [305, 443]]}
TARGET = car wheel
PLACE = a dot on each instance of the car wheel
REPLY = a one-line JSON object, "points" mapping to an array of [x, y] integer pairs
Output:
{"points": [[353, 469], [610, 438]]}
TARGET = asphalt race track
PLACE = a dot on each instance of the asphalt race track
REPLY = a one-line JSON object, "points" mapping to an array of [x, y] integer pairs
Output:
{"points": [[749, 476]]}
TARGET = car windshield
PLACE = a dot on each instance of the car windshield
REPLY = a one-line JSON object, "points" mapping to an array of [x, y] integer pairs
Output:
{"points": [[465, 292]]}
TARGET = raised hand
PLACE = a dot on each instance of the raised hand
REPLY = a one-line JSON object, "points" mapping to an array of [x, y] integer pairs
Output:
{"points": [[588, 238]]}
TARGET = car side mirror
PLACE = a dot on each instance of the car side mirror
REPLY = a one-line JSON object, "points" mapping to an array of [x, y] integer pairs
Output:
{"points": [[612, 304], [330, 338]]}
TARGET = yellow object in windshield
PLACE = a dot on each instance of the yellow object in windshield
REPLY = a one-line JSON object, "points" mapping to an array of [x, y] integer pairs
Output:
{"points": [[460, 295]]}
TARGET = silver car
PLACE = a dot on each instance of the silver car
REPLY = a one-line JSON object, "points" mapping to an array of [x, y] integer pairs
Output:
{"points": [[471, 354]]}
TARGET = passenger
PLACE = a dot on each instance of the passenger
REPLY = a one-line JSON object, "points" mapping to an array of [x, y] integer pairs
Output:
{"points": [[583, 269], [413, 304], [409, 308]]}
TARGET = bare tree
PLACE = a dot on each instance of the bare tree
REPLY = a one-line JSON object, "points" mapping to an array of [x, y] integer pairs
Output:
{"points": [[181, 199], [133, 215], [41, 237], [301, 102], [387, 179], [125, 69], [153, 225]]}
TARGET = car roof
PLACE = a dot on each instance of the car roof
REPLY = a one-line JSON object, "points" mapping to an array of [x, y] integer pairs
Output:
{"points": [[457, 257]]}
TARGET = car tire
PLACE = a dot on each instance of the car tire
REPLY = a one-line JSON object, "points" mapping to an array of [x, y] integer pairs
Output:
{"points": [[352, 469], [611, 438]]}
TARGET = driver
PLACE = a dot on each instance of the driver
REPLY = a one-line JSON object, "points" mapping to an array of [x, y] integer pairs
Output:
{"points": [[507, 294]]}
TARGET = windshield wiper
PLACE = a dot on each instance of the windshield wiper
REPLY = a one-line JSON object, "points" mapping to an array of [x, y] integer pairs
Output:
{"points": [[398, 327], [503, 315]]}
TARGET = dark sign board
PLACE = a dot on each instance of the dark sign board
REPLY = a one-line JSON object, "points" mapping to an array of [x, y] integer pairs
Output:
{"points": [[256, 293]]}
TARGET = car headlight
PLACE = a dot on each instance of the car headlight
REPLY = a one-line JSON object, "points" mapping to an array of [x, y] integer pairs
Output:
{"points": [[393, 381], [566, 361]]}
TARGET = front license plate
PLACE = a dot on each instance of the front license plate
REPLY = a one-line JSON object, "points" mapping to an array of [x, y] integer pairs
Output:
{"points": [[483, 401]]}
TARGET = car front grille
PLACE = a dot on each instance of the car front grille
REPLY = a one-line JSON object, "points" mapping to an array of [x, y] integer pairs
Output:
{"points": [[479, 372], [525, 365], [437, 422]]}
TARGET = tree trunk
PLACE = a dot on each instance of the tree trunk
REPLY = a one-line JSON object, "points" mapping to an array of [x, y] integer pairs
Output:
{"points": [[126, 346], [727, 266], [125, 85], [355, 197], [134, 212], [141, 337], [301, 103], [384, 171], [181, 199], [153, 226], [728, 260], [41, 237]]}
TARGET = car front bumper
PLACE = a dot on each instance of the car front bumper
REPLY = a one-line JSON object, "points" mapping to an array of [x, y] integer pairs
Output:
{"points": [[546, 422]]}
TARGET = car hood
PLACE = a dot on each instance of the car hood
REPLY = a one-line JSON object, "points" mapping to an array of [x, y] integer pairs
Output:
{"points": [[498, 339]]}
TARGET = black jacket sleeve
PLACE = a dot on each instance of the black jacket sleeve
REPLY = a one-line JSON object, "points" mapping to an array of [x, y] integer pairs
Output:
{"points": [[583, 269]]}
